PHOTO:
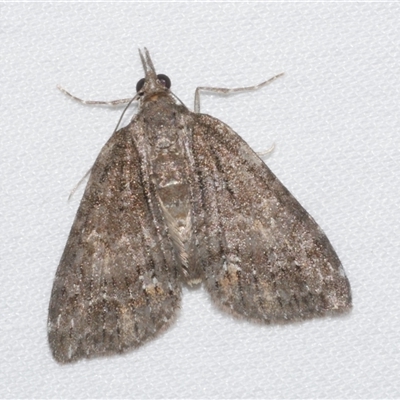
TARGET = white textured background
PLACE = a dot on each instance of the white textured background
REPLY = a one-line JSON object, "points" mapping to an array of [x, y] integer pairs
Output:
{"points": [[334, 119]]}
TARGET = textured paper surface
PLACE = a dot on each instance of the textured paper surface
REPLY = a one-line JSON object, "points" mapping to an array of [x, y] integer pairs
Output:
{"points": [[334, 120]]}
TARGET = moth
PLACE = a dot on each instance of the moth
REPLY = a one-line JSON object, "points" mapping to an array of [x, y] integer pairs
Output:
{"points": [[177, 197]]}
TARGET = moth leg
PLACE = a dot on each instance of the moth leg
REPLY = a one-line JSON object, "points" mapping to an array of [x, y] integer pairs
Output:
{"points": [[267, 152], [95, 102], [228, 91]]}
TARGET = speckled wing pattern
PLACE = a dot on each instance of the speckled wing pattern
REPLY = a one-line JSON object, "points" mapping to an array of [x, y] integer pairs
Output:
{"points": [[116, 285], [268, 260], [177, 198]]}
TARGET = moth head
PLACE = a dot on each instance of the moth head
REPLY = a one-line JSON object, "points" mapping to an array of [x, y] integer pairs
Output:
{"points": [[151, 83]]}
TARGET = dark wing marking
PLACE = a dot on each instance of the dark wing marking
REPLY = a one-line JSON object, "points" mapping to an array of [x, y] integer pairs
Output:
{"points": [[267, 259], [116, 285]]}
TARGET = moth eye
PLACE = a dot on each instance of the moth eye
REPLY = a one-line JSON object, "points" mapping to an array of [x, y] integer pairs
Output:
{"points": [[164, 80], [140, 84]]}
